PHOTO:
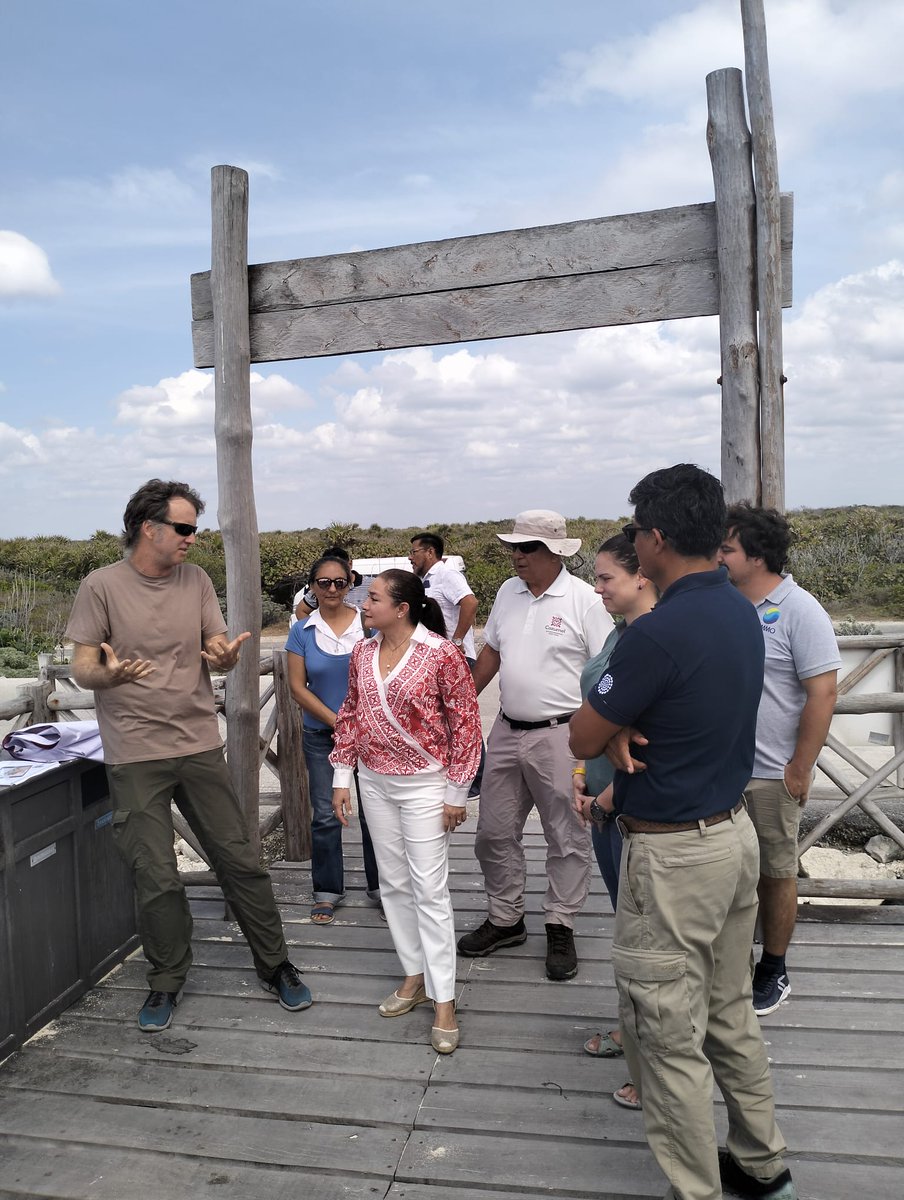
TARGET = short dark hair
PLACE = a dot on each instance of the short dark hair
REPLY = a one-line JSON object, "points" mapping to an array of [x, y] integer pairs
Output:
{"points": [[622, 551], [405, 587], [686, 504], [433, 540], [151, 503], [763, 533]]}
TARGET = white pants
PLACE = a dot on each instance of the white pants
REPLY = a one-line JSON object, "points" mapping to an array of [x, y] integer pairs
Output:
{"points": [[405, 817]]}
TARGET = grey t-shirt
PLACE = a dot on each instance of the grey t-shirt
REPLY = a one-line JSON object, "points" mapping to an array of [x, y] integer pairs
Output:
{"points": [[800, 643]]}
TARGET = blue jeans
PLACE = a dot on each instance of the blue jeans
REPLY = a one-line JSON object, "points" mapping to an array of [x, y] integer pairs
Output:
{"points": [[327, 873], [607, 846]]}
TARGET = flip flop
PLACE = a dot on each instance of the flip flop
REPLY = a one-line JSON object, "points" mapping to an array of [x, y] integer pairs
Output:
{"points": [[634, 1105], [323, 913], [607, 1047]]}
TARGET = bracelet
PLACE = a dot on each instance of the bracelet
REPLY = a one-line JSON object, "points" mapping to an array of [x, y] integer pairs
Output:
{"points": [[579, 771]]}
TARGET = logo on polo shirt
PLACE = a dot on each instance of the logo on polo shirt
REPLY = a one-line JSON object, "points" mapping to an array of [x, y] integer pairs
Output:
{"points": [[556, 625], [605, 684], [771, 615]]}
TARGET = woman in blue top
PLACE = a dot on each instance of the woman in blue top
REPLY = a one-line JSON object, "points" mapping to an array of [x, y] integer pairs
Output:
{"points": [[320, 649], [625, 591]]}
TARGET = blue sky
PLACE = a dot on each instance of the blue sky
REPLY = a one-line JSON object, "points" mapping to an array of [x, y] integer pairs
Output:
{"points": [[366, 123]]}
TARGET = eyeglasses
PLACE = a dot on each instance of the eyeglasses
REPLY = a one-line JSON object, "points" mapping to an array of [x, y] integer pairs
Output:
{"points": [[181, 528], [526, 547], [417, 550], [339, 584], [631, 531]]}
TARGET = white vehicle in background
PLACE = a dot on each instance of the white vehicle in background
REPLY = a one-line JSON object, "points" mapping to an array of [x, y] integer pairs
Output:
{"points": [[370, 568]]}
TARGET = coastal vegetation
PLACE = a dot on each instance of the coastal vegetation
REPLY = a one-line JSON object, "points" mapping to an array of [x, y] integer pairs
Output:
{"points": [[852, 559]]}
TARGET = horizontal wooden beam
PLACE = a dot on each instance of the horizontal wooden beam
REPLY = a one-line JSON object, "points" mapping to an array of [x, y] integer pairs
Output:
{"points": [[638, 267]]}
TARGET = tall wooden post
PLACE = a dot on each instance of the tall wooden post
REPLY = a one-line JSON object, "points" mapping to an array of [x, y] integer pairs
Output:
{"points": [[729, 149], [237, 516], [769, 253]]}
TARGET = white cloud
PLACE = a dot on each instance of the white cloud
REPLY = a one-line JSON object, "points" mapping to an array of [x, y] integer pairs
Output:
{"points": [[186, 402], [24, 268]]}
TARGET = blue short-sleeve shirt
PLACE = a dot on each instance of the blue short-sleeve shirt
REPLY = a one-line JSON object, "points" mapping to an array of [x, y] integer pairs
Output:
{"points": [[689, 676]]}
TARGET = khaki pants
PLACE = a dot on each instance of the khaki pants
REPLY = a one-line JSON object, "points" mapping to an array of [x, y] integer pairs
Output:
{"points": [[681, 953], [527, 768], [143, 832]]}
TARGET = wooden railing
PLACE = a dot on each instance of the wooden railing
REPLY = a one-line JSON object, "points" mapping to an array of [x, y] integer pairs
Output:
{"points": [[56, 697]]}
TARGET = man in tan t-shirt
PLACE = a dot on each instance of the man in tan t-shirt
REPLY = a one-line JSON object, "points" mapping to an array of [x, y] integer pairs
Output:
{"points": [[145, 630]]}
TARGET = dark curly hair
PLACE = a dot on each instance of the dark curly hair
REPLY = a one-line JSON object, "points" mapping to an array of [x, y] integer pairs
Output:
{"points": [[763, 533], [151, 503], [686, 504]]}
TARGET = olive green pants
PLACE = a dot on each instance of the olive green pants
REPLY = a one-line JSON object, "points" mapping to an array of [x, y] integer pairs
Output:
{"points": [[687, 905], [202, 790]]}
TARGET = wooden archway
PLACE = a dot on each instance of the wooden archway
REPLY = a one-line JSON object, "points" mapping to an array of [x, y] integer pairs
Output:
{"points": [[730, 257]]}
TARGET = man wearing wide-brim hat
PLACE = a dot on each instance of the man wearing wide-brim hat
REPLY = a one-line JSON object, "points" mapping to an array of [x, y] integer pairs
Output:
{"points": [[544, 626]]}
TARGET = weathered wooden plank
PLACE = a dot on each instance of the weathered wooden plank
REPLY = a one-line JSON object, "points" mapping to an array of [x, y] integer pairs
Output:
{"points": [[769, 265], [843, 1086], [236, 513], [729, 149], [215, 1136], [530, 1165], [560, 1113], [357, 1022], [172, 1084], [535, 288], [814, 1180], [69, 1171], [293, 775], [509, 256], [235, 1049]]}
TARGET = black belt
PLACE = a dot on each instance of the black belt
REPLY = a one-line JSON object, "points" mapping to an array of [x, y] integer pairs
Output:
{"points": [[639, 825], [550, 724]]}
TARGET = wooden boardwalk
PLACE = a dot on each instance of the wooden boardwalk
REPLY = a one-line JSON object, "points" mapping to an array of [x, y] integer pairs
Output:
{"points": [[240, 1099]]}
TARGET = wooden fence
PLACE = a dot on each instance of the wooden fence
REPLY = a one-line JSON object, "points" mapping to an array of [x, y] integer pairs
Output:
{"points": [[281, 751]]}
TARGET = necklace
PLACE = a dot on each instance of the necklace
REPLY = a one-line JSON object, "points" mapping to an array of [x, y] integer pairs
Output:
{"points": [[391, 660]]}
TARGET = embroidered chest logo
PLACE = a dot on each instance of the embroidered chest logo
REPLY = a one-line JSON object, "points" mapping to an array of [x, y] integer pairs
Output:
{"points": [[605, 684], [770, 616], [556, 625]]}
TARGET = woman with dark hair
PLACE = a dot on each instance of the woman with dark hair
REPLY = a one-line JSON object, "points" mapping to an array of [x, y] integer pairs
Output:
{"points": [[320, 650], [626, 592], [411, 723]]}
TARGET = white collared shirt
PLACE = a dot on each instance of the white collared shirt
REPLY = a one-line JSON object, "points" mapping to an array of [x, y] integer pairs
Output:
{"points": [[325, 638], [543, 643]]}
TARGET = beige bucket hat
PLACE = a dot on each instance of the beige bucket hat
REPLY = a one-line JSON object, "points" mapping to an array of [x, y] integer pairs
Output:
{"points": [[542, 525]]}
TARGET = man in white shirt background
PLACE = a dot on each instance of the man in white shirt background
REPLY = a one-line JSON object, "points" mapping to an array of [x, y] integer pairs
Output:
{"points": [[450, 589]]}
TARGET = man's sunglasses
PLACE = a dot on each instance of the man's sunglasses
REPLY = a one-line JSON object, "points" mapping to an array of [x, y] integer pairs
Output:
{"points": [[526, 547], [339, 584], [181, 528], [631, 531]]}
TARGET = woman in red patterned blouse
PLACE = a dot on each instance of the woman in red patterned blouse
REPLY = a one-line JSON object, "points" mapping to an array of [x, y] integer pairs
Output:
{"points": [[411, 724]]}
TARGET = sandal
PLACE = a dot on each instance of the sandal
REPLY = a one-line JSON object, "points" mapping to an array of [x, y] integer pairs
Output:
{"points": [[606, 1046], [635, 1105], [323, 913]]}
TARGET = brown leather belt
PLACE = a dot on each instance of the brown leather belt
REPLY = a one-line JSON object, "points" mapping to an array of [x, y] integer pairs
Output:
{"points": [[639, 825]]}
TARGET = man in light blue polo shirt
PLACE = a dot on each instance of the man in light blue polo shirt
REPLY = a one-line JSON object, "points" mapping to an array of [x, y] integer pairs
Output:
{"points": [[799, 691]]}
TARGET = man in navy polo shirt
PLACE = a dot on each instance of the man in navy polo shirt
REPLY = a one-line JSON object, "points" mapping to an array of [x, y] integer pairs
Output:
{"points": [[686, 680]]}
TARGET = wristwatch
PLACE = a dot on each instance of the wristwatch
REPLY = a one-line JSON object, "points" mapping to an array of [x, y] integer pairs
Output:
{"points": [[599, 814], [459, 642]]}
